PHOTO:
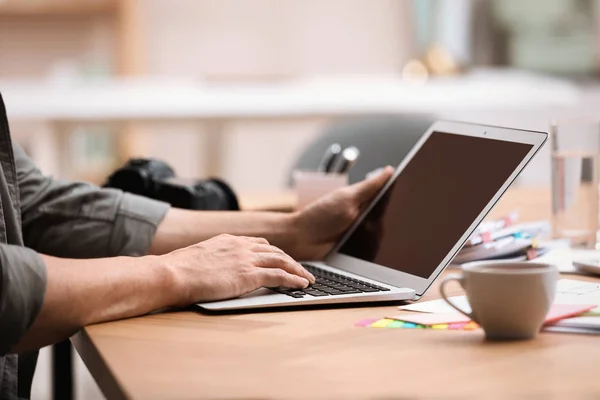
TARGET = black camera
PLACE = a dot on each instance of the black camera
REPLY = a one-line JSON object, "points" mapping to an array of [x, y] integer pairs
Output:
{"points": [[155, 179]]}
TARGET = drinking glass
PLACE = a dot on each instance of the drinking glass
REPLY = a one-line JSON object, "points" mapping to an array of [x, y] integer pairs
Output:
{"points": [[575, 146]]}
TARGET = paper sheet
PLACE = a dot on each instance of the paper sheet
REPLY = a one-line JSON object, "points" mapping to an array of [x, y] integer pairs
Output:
{"points": [[568, 291], [556, 313], [563, 329], [560, 255], [580, 322], [439, 306], [563, 258]]}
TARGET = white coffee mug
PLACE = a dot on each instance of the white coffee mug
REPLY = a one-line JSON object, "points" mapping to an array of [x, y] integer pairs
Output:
{"points": [[509, 300]]}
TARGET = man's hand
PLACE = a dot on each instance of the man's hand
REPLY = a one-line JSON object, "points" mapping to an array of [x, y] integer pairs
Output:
{"points": [[228, 266], [320, 225], [83, 292]]}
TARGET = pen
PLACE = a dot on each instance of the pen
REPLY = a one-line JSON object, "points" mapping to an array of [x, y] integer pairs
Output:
{"points": [[329, 158], [347, 160]]}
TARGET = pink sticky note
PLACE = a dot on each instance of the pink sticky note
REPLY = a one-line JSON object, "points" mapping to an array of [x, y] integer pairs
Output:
{"points": [[366, 322], [432, 318], [560, 311]]}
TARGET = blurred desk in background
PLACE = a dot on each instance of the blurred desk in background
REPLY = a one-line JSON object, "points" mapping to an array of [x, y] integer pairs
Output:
{"points": [[532, 203], [61, 106], [154, 99]]}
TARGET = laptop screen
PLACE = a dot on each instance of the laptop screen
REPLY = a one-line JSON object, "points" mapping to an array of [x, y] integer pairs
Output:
{"points": [[433, 201]]}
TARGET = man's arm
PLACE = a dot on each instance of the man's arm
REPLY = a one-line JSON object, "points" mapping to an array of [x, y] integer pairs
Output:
{"points": [[79, 220], [84, 292], [80, 292], [181, 228], [305, 235]]}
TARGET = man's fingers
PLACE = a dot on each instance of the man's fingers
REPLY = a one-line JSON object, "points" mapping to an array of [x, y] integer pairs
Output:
{"points": [[266, 248], [364, 190], [284, 262], [257, 240], [275, 277]]}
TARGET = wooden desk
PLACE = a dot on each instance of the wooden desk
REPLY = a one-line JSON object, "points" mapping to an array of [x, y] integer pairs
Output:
{"points": [[532, 203], [320, 354]]}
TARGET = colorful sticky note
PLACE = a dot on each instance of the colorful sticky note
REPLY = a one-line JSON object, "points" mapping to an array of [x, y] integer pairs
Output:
{"points": [[470, 326], [382, 323], [390, 323], [396, 324], [365, 322]]}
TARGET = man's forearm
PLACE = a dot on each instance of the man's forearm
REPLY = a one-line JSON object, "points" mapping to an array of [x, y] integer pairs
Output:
{"points": [[182, 228], [83, 292]]}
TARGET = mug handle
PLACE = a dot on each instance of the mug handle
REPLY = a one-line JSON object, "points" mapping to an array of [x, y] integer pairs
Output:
{"points": [[459, 279]]}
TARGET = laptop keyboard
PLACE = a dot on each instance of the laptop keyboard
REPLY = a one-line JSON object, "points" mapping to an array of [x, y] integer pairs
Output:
{"points": [[330, 284]]}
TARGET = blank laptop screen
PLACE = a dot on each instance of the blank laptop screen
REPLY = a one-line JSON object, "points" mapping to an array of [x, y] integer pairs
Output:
{"points": [[433, 201]]}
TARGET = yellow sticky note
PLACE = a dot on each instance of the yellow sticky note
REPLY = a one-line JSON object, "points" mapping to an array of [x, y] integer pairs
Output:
{"points": [[440, 326], [382, 323]]}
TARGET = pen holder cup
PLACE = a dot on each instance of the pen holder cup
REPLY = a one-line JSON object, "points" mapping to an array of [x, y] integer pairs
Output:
{"points": [[310, 185]]}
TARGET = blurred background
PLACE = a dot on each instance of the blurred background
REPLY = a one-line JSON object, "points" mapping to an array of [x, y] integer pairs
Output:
{"points": [[239, 89]]}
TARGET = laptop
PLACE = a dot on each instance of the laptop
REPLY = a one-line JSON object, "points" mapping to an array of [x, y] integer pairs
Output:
{"points": [[417, 222]]}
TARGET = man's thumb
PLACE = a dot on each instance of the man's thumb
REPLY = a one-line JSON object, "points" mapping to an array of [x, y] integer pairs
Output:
{"points": [[365, 190]]}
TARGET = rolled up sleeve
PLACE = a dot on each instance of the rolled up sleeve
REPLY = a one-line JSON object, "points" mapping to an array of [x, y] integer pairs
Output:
{"points": [[80, 220], [22, 290]]}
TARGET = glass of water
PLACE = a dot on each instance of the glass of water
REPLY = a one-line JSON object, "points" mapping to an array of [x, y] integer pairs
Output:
{"points": [[575, 146]]}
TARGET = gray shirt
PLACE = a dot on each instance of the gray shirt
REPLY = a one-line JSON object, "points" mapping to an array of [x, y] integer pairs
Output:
{"points": [[39, 214]]}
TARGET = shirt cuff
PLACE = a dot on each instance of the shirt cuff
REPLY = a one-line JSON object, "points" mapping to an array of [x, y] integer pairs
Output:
{"points": [[136, 223], [22, 290]]}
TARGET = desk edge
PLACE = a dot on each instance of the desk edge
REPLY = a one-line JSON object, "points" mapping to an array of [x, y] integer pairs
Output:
{"points": [[106, 381]]}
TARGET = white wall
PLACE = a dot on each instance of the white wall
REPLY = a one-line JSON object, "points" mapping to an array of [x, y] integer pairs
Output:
{"points": [[231, 40], [40, 47]]}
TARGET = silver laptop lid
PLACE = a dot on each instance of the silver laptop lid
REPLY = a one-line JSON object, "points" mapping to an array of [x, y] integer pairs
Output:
{"points": [[436, 198]]}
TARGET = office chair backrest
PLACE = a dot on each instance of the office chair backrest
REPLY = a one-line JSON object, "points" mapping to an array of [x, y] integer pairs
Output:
{"points": [[382, 140]]}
